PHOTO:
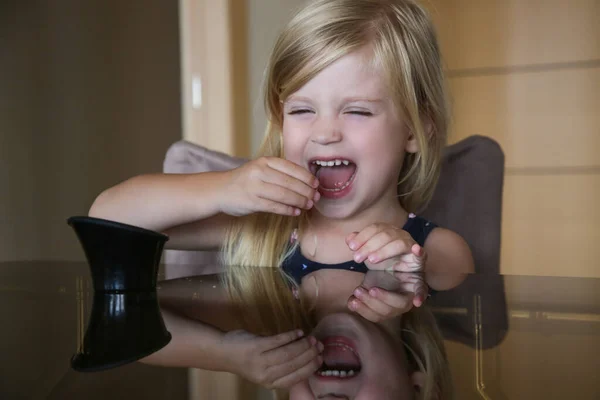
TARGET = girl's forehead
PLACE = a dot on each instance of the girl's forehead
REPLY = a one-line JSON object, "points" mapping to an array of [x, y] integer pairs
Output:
{"points": [[354, 74]]}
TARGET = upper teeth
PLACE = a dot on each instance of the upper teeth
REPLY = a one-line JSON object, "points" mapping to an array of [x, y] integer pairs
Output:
{"points": [[341, 374], [331, 163]]}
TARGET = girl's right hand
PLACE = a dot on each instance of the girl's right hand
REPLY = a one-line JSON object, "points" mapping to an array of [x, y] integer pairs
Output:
{"points": [[269, 184], [275, 362]]}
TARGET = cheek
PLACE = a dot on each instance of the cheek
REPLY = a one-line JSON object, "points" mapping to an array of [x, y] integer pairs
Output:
{"points": [[294, 141], [382, 146]]}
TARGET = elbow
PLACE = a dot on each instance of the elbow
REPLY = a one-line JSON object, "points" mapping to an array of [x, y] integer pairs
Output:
{"points": [[99, 208]]}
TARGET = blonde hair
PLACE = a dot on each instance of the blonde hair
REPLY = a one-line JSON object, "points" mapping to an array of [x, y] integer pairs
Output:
{"points": [[426, 353], [404, 45]]}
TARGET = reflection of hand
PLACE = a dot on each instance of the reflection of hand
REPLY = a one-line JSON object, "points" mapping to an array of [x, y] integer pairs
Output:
{"points": [[385, 295], [278, 361], [384, 246]]}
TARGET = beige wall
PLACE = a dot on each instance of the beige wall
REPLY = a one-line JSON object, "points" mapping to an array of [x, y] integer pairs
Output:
{"points": [[90, 96], [266, 18], [527, 73]]}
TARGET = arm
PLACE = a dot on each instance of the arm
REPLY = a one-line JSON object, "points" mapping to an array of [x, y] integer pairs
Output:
{"points": [[197, 313], [195, 209], [184, 206], [218, 343], [449, 258], [193, 345]]}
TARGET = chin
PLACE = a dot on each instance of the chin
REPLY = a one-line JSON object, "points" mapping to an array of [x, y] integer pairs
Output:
{"points": [[336, 211]]}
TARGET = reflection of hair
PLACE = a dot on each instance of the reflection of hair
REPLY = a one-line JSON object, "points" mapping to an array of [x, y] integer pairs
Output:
{"points": [[426, 353], [405, 48]]}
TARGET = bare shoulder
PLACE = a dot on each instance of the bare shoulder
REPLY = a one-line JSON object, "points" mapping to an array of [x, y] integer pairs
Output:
{"points": [[448, 241], [448, 252]]}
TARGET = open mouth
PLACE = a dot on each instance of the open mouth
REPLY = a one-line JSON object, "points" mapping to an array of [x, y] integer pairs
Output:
{"points": [[334, 175], [340, 359]]}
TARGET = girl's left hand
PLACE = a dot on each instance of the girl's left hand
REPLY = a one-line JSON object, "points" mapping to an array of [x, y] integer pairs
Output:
{"points": [[386, 247], [377, 304]]}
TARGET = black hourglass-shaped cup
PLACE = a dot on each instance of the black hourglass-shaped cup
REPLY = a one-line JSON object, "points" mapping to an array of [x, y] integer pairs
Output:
{"points": [[125, 323]]}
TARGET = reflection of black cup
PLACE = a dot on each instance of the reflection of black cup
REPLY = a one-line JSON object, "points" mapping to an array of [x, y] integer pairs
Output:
{"points": [[125, 323]]}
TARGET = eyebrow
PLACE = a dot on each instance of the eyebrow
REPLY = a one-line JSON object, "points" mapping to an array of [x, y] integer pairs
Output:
{"points": [[344, 100]]}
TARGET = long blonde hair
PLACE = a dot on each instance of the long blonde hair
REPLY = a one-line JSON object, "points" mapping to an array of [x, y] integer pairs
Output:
{"points": [[404, 45]]}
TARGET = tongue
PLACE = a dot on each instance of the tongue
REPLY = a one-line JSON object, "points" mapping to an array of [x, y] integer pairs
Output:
{"points": [[340, 357], [335, 177]]}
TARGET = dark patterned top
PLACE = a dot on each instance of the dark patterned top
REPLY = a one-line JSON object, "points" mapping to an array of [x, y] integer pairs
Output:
{"points": [[297, 266]]}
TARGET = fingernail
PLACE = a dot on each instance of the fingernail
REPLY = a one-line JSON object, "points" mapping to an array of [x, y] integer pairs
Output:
{"points": [[353, 305], [300, 333], [357, 257], [297, 211], [313, 340], [309, 204], [358, 292], [321, 347], [317, 196], [352, 246], [373, 292], [315, 183], [372, 258]]}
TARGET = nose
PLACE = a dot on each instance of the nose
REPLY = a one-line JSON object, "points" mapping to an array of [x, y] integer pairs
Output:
{"points": [[326, 131]]}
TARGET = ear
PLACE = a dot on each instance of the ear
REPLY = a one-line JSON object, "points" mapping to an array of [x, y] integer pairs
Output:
{"points": [[412, 145], [418, 379]]}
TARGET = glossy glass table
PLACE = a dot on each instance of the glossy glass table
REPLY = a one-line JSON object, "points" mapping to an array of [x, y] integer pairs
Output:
{"points": [[506, 337]]}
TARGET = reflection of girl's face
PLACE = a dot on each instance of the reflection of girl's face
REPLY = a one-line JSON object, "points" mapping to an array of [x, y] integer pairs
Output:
{"points": [[375, 355]]}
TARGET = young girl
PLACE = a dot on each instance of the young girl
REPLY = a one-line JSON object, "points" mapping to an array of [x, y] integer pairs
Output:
{"points": [[358, 115]]}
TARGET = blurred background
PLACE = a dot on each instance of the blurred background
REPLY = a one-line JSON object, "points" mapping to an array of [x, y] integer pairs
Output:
{"points": [[93, 92]]}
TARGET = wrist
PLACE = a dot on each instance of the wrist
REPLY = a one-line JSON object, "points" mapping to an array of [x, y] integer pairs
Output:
{"points": [[208, 194], [221, 183]]}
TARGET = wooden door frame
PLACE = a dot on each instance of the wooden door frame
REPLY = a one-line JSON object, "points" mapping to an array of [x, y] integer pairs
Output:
{"points": [[214, 60]]}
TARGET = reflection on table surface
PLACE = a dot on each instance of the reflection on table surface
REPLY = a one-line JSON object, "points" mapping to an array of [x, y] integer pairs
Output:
{"points": [[505, 337]]}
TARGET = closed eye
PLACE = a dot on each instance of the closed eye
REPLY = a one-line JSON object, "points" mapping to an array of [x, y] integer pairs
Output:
{"points": [[300, 111], [363, 113]]}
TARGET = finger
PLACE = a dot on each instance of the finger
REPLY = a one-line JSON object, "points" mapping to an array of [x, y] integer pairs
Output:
{"points": [[360, 308], [276, 341], [274, 207], [400, 302], [363, 236], [280, 194], [393, 248], [282, 179], [350, 237], [290, 351], [377, 240], [421, 293], [293, 170], [410, 263], [417, 250], [300, 374], [375, 304], [290, 366]]}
